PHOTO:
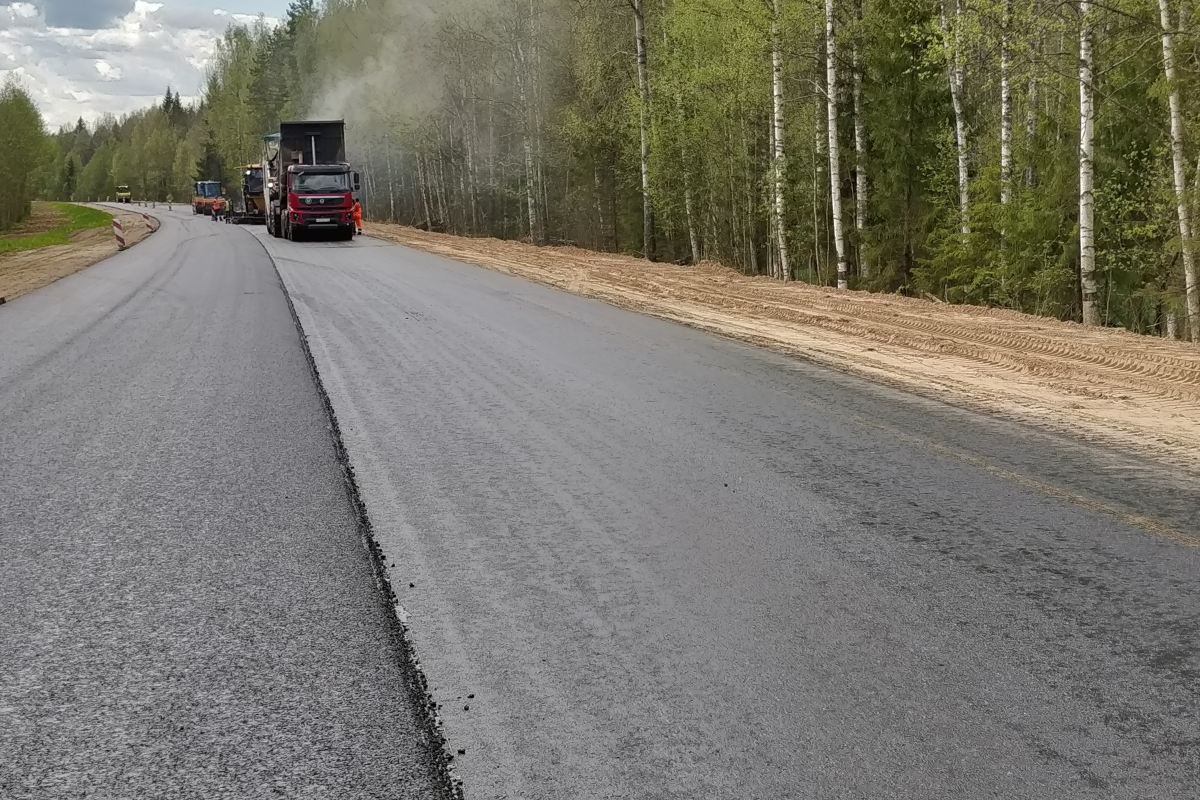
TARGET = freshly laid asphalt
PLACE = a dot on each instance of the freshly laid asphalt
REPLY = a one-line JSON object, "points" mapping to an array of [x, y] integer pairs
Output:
{"points": [[635, 560], [187, 609], [670, 565]]}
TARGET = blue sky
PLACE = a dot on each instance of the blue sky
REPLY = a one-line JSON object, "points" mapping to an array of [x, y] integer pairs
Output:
{"points": [[84, 58]]}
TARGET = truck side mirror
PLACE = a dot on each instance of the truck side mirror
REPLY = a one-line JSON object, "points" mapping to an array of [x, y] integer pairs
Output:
{"points": [[356, 182]]}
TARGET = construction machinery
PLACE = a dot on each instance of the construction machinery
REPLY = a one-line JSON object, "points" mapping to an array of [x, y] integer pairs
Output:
{"points": [[124, 195], [253, 209], [309, 184], [205, 195]]}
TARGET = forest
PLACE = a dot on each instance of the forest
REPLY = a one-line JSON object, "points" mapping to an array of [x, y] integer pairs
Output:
{"points": [[1033, 155]]}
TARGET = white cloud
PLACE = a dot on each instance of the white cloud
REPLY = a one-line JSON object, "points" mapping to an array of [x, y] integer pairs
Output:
{"points": [[96, 67], [23, 10], [107, 71]]}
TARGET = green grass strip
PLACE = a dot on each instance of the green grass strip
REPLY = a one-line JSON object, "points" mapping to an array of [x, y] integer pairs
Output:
{"points": [[78, 218]]}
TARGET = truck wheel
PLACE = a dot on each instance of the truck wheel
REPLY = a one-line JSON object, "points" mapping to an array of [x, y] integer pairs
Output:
{"points": [[275, 231]]}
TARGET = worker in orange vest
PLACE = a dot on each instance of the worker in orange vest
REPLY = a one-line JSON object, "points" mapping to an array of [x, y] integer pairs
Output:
{"points": [[357, 214]]}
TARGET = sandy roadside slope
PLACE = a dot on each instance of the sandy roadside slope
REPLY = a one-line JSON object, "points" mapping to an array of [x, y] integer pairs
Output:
{"points": [[27, 270], [1117, 388]]}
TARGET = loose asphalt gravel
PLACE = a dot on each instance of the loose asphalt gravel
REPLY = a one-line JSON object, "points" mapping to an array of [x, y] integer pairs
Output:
{"points": [[636, 560], [186, 606]]}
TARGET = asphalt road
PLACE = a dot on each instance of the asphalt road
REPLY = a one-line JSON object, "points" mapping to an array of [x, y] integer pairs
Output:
{"points": [[648, 562], [187, 609], [636, 560]]}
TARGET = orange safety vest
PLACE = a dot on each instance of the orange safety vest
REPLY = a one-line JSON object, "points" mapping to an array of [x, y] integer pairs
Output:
{"points": [[357, 213]]}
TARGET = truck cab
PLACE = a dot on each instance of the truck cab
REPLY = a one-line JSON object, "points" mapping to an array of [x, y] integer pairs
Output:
{"points": [[320, 197]]}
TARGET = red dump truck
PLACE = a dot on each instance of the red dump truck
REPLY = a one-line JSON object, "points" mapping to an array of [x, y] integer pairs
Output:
{"points": [[310, 186]]}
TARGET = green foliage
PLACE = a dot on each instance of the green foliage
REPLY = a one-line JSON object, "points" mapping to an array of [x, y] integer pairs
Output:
{"points": [[22, 143], [153, 151], [911, 167]]}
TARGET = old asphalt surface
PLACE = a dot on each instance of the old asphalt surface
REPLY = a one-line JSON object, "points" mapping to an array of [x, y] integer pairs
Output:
{"points": [[635, 560]]}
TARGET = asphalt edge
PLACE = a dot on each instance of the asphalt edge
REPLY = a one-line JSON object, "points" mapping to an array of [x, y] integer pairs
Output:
{"points": [[426, 707]]}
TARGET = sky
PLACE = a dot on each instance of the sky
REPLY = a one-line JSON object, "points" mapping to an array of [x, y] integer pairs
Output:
{"points": [[85, 58]]}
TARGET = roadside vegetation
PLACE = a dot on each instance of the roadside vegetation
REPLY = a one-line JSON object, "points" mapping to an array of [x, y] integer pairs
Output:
{"points": [[51, 224], [1033, 155], [23, 141]]}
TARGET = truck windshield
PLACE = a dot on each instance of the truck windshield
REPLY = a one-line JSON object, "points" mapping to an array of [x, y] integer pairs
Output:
{"points": [[314, 182], [208, 189]]}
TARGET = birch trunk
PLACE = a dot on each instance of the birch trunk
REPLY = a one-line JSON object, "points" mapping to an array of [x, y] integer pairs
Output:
{"points": [[772, 264], [1179, 169], [689, 209], [527, 146], [443, 185], [470, 135], [1005, 104], [835, 181], [424, 189], [819, 141], [955, 72], [1087, 116], [860, 148], [778, 153], [387, 142], [1031, 101], [639, 22], [536, 95], [600, 231]]}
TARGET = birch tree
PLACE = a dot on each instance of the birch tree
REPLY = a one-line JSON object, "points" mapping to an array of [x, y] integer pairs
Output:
{"points": [[835, 181], [1178, 170], [1087, 118], [860, 141], [956, 70], [689, 208], [639, 18], [778, 152], [1005, 103]]}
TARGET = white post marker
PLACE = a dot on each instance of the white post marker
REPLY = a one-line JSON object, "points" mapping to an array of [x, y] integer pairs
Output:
{"points": [[119, 232]]}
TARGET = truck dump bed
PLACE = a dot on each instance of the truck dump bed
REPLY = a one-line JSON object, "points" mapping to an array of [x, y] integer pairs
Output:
{"points": [[314, 141]]}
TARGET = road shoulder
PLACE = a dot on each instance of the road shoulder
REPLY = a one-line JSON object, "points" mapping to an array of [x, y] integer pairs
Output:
{"points": [[23, 271]]}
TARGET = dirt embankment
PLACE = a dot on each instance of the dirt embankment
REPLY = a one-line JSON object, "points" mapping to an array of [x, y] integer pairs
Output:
{"points": [[27, 270], [1111, 386]]}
